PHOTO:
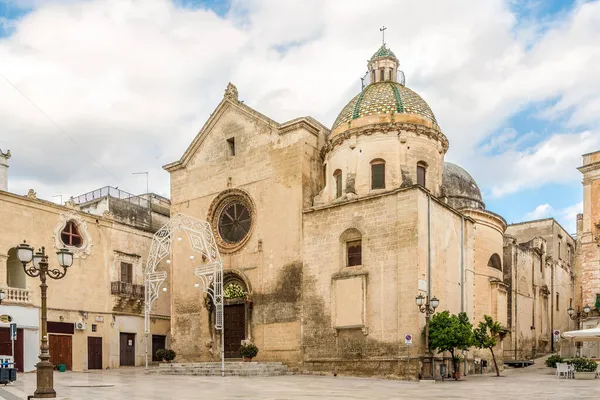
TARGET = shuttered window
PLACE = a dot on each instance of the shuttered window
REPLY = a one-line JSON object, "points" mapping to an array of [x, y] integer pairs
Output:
{"points": [[354, 252], [126, 272], [378, 175]]}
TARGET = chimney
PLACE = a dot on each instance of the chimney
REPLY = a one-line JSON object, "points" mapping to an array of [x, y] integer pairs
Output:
{"points": [[4, 170]]}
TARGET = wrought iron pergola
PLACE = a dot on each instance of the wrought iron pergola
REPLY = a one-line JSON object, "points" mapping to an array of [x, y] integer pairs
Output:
{"points": [[210, 272]]}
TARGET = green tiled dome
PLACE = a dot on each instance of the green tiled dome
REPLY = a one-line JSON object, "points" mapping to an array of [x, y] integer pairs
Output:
{"points": [[385, 97], [383, 52]]}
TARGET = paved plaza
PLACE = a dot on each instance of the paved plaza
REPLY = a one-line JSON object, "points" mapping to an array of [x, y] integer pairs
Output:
{"points": [[536, 382]]}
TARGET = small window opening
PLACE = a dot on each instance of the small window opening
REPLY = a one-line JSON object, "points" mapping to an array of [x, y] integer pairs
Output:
{"points": [[557, 301], [231, 143], [391, 74], [382, 74], [338, 183], [377, 174], [126, 272], [421, 174], [94, 327], [354, 252], [70, 235]]}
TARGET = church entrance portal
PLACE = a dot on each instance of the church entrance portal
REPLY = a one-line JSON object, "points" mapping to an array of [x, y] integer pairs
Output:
{"points": [[235, 329]]}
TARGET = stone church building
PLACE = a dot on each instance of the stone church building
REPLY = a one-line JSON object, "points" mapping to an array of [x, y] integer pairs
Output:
{"points": [[329, 234]]}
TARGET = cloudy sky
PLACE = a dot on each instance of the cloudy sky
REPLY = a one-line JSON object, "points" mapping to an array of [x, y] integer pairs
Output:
{"points": [[93, 91]]}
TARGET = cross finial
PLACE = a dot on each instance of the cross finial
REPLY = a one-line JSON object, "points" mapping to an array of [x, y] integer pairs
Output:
{"points": [[382, 30]]}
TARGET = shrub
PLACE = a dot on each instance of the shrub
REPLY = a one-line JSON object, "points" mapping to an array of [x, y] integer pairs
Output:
{"points": [[248, 350], [160, 354], [170, 355], [553, 359], [583, 365]]}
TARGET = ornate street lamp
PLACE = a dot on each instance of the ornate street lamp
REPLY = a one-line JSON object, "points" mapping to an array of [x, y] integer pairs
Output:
{"points": [[427, 307], [39, 267], [579, 316]]}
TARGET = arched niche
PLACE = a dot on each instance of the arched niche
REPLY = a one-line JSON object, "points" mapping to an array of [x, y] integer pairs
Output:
{"points": [[15, 275]]}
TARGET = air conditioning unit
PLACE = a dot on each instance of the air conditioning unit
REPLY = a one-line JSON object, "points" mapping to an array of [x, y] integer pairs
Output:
{"points": [[80, 326]]}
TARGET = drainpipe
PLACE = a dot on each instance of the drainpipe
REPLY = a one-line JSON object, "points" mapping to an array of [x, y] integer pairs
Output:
{"points": [[516, 287], [462, 263], [429, 275]]}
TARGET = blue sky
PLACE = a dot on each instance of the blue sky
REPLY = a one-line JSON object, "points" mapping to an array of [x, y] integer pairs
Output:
{"points": [[512, 83]]}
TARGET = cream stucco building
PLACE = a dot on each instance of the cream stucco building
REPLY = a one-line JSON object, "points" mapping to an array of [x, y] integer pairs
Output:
{"points": [[95, 313], [329, 234]]}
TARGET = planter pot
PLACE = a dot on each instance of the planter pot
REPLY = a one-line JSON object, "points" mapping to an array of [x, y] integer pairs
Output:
{"points": [[247, 359], [585, 375]]}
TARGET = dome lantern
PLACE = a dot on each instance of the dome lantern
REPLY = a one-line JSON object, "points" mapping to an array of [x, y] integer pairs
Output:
{"points": [[383, 66]]}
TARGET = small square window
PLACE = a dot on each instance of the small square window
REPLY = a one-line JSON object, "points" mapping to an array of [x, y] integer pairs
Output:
{"points": [[94, 327], [354, 253]]}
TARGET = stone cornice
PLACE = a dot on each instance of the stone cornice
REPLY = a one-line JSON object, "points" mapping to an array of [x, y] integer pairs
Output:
{"points": [[493, 220], [389, 127], [589, 167], [301, 123]]}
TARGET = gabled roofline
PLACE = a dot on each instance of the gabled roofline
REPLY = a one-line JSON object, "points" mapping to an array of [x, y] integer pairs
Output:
{"points": [[212, 120], [311, 124]]}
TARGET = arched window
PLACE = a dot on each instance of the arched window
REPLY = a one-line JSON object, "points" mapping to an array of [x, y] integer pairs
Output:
{"points": [[378, 174], [15, 275], [337, 175], [421, 173], [351, 241], [391, 74], [495, 262], [70, 235], [382, 74]]}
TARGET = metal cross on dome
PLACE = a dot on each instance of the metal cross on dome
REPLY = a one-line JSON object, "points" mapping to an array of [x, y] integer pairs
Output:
{"points": [[382, 30]]}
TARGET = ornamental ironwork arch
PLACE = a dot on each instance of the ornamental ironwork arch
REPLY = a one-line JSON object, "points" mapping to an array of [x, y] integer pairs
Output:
{"points": [[210, 273]]}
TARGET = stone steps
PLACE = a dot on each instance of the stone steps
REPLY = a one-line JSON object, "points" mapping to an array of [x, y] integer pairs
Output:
{"points": [[214, 369]]}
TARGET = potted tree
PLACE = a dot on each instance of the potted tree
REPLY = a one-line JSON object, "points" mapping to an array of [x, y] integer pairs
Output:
{"points": [[585, 368], [484, 337], [248, 351], [160, 354], [449, 332], [170, 355]]}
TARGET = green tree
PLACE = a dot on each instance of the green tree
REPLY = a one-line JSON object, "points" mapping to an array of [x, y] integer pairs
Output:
{"points": [[485, 337], [449, 332]]}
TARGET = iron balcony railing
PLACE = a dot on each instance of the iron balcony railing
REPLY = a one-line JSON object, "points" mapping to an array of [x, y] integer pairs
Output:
{"points": [[127, 289]]}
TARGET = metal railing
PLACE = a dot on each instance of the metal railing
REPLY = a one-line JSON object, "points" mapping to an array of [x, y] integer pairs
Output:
{"points": [[111, 192], [127, 289]]}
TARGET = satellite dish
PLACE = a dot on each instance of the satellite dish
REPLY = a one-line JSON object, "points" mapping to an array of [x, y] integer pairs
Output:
{"points": [[401, 78]]}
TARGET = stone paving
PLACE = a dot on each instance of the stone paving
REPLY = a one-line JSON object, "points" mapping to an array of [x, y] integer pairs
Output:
{"points": [[535, 382]]}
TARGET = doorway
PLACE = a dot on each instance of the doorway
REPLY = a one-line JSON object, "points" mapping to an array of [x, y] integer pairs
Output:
{"points": [[94, 352], [127, 349], [6, 346], [61, 347], [158, 342], [235, 329]]}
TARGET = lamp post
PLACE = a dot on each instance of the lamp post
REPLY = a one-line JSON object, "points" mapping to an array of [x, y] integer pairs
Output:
{"points": [[579, 316], [427, 307], [39, 267]]}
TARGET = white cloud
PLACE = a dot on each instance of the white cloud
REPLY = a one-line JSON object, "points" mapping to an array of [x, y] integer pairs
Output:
{"points": [[132, 81], [567, 217]]}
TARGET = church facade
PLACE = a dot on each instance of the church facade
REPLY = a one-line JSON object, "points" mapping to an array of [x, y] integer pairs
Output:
{"points": [[329, 234]]}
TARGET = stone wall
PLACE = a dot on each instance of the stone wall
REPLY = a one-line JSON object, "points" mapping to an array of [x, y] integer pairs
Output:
{"points": [[275, 167], [367, 338], [85, 292]]}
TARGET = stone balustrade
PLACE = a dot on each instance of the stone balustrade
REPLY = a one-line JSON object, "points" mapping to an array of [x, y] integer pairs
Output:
{"points": [[17, 296]]}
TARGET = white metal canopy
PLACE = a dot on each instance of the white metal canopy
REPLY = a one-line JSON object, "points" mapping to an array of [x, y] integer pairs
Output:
{"points": [[584, 335], [210, 272]]}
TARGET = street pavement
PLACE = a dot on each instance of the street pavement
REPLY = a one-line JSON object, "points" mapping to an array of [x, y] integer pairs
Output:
{"points": [[536, 382]]}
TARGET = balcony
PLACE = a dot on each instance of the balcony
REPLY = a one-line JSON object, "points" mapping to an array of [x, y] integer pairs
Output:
{"points": [[17, 296], [130, 297], [127, 290]]}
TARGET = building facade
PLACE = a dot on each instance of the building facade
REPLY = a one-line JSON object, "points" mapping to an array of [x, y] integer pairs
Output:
{"points": [[95, 313], [539, 258], [329, 234], [587, 275]]}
